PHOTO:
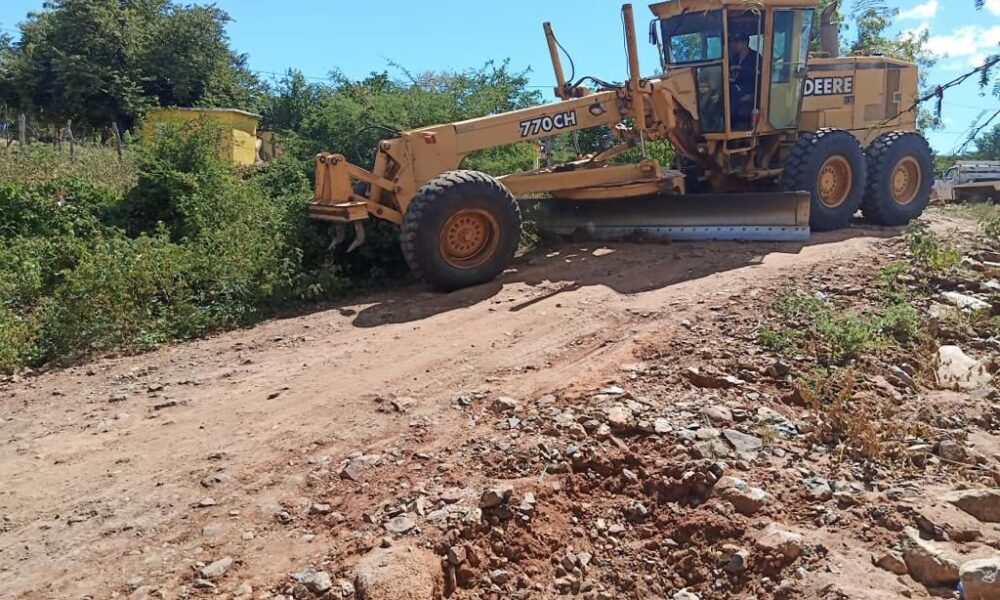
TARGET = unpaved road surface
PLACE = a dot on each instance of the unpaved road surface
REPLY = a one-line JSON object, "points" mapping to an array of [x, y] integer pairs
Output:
{"points": [[131, 470]]}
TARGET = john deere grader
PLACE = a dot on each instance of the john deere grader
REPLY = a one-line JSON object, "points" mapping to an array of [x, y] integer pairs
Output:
{"points": [[771, 143]]}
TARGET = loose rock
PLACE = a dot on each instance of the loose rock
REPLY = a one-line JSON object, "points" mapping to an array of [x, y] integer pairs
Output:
{"points": [[959, 371], [892, 562], [400, 525], [216, 569], [745, 499], [981, 579], [981, 504], [742, 442], [926, 562], [317, 582], [399, 573], [778, 540]]}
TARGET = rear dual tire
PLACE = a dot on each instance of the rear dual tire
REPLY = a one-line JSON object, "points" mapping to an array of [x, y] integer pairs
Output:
{"points": [[900, 178], [461, 229], [891, 181], [830, 165]]}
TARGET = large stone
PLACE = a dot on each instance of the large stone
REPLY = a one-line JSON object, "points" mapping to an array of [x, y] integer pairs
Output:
{"points": [[217, 569], [399, 573], [981, 579], [818, 489], [780, 540], [317, 582], [776, 422], [742, 442], [981, 504], [619, 417], [713, 381], [355, 467], [745, 499], [892, 562], [966, 302], [400, 525], [928, 562], [956, 370]]}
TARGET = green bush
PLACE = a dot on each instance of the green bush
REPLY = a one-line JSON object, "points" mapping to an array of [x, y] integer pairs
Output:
{"points": [[929, 253], [98, 166], [838, 336], [195, 245]]}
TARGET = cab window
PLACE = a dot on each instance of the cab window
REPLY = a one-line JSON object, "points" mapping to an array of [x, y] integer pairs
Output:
{"points": [[695, 37]]}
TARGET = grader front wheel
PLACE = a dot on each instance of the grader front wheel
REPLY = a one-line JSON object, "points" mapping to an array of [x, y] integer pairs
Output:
{"points": [[900, 178], [461, 229], [829, 164]]}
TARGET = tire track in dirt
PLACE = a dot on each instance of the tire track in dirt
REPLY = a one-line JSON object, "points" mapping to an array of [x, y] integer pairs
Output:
{"points": [[99, 489]]}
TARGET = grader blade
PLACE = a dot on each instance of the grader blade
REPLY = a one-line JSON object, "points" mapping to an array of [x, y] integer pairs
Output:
{"points": [[779, 217]]}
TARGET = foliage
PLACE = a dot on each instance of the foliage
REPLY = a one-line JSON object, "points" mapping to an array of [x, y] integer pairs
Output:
{"points": [[988, 145], [872, 19], [192, 246], [836, 336], [97, 165], [103, 61], [929, 253], [352, 116]]}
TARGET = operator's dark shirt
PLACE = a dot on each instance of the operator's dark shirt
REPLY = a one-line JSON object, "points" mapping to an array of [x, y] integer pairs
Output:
{"points": [[744, 72]]}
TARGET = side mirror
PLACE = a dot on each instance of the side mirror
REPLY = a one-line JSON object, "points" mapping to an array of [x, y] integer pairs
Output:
{"points": [[654, 37]]}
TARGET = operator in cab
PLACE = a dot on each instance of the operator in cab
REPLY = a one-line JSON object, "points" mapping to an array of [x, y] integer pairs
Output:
{"points": [[744, 78]]}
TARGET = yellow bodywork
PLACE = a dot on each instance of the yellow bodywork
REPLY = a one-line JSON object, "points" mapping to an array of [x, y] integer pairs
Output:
{"points": [[239, 143], [883, 90], [864, 95]]}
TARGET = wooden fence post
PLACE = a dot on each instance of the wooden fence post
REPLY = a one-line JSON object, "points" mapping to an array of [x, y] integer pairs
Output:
{"points": [[72, 141], [22, 129], [118, 139]]}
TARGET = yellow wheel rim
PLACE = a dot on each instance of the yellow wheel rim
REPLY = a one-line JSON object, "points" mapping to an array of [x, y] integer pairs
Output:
{"points": [[906, 180], [469, 238], [834, 181]]}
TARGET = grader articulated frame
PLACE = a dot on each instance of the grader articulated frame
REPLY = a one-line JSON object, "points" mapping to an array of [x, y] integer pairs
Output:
{"points": [[760, 160]]}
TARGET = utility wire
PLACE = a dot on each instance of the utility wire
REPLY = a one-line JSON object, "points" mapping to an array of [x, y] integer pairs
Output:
{"points": [[975, 133]]}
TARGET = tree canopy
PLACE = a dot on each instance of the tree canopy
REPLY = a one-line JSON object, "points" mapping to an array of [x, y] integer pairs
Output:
{"points": [[988, 145], [98, 61]]}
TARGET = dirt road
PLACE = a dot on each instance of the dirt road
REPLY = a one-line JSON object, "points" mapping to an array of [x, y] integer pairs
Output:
{"points": [[130, 470]]}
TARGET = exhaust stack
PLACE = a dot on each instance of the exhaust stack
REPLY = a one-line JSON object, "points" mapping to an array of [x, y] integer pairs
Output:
{"points": [[829, 31]]}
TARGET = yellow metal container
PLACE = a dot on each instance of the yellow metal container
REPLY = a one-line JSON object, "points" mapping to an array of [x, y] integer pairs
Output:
{"points": [[239, 142]]}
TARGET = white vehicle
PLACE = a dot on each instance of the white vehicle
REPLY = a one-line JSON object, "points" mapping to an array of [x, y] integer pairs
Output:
{"points": [[970, 181]]}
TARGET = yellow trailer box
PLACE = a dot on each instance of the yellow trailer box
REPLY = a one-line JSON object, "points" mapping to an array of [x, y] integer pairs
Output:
{"points": [[239, 142]]}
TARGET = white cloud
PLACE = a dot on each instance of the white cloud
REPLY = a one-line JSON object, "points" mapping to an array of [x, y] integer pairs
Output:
{"points": [[927, 10], [966, 46], [993, 6]]}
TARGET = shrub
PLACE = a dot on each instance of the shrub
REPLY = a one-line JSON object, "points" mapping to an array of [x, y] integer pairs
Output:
{"points": [[928, 252], [837, 335]]}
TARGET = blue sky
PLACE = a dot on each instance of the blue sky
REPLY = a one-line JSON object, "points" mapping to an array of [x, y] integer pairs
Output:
{"points": [[359, 37]]}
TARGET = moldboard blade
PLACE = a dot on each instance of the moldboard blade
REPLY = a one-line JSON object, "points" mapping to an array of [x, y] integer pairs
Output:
{"points": [[778, 216]]}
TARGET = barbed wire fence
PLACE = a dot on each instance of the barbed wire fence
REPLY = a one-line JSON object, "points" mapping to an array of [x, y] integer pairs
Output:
{"points": [[20, 131]]}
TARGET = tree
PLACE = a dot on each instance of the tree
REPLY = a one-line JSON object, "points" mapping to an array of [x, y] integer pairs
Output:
{"points": [[988, 145], [97, 61], [873, 18], [351, 116], [8, 96], [290, 101], [209, 72]]}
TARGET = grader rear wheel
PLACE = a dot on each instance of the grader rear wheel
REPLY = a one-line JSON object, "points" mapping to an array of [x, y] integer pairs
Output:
{"points": [[461, 229], [900, 178], [829, 164]]}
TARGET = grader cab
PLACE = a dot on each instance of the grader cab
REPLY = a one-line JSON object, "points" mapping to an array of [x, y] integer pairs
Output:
{"points": [[771, 142]]}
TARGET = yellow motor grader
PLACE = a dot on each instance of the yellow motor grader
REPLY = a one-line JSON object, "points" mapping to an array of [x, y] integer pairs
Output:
{"points": [[771, 143]]}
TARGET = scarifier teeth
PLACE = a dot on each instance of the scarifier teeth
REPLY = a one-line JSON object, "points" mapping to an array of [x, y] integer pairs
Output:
{"points": [[340, 234], [359, 237]]}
